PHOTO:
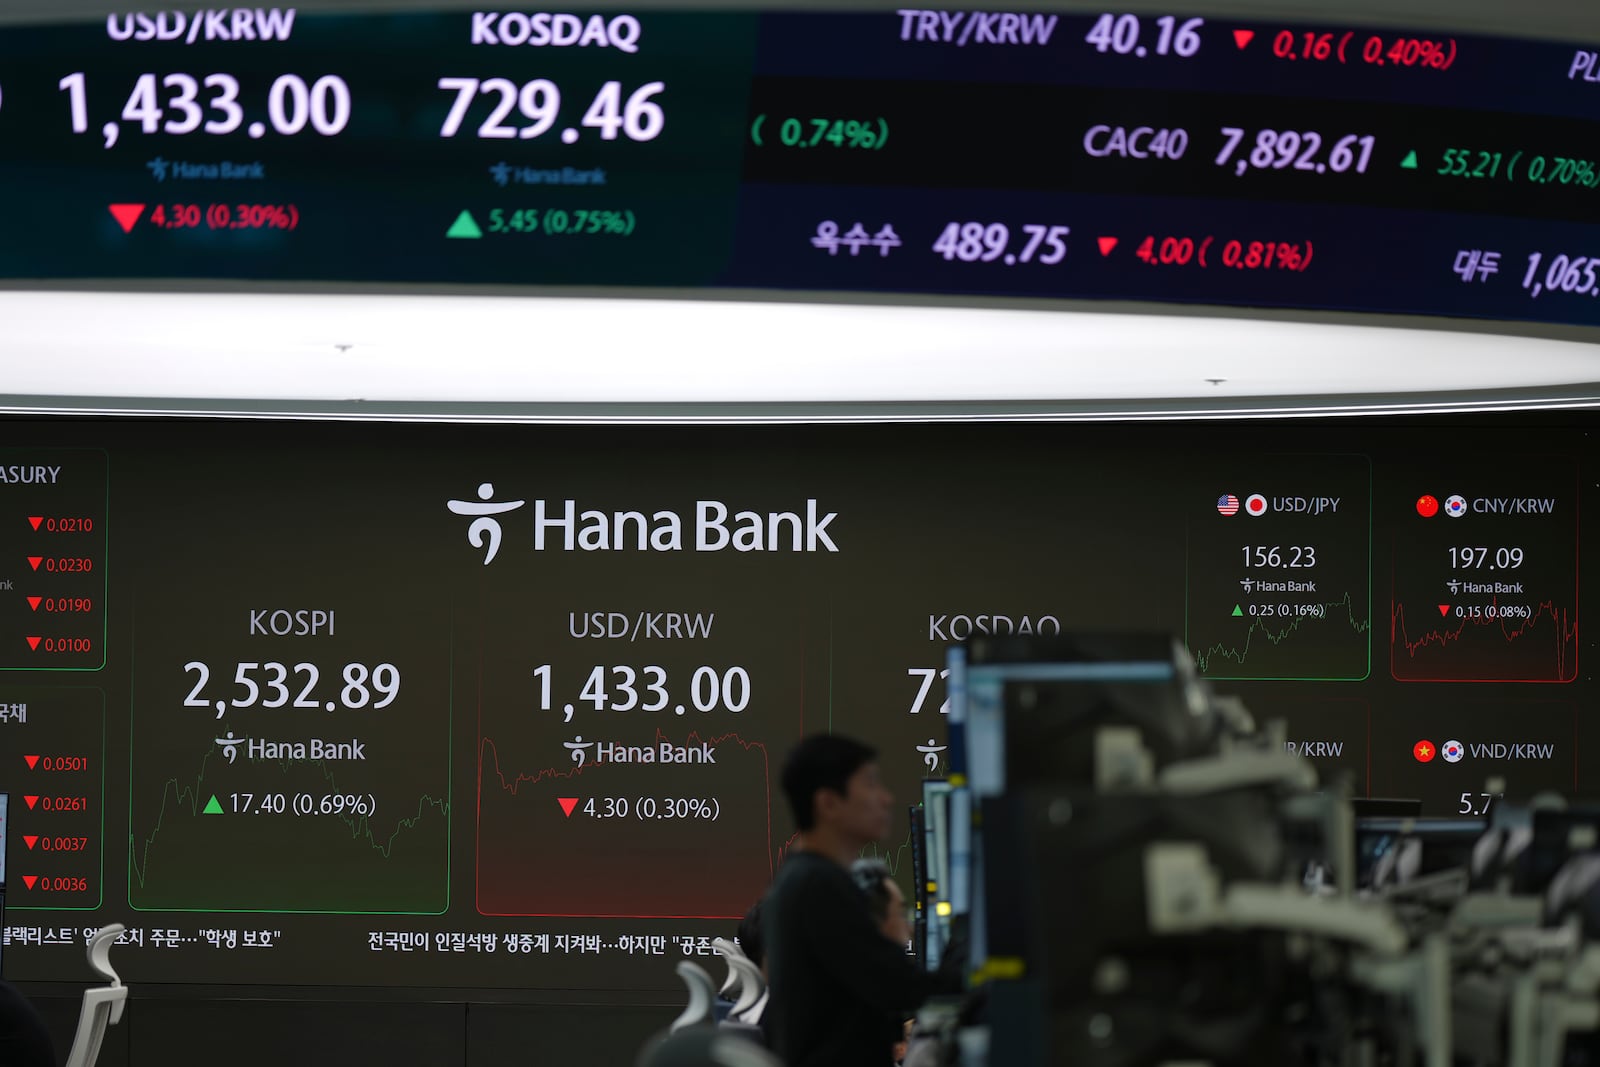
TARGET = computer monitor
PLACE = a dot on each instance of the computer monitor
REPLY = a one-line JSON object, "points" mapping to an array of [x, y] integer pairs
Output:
{"points": [[982, 670], [932, 872], [1558, 835], [1076, 677], [1393, 851]]}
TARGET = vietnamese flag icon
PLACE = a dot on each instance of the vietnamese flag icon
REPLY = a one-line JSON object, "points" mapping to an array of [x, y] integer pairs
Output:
{"points": [[567, 804], [34, 521], [30, 839], [29, 879]]}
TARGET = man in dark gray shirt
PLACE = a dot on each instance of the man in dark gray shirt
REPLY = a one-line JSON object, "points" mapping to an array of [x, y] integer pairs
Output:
{"points": [[836, 982]]}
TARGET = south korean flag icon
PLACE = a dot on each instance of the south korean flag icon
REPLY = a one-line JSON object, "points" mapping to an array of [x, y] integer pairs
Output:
{"points": [[1452, 751]]}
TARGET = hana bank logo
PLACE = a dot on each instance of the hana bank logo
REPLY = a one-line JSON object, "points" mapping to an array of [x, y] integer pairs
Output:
{"points": [[485, 530], [230, 745], [715, 526], [579, 748]]}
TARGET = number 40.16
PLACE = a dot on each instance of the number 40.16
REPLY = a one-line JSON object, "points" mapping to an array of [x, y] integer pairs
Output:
{"points": [[1120, 34]]}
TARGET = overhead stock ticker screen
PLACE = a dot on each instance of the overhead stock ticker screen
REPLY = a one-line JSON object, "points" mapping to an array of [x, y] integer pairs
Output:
{"points": [[474, 707], [1112, 155]]}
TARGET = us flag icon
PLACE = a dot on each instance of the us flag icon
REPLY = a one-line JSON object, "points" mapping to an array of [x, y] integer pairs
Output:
{"points": [[1228, 504]]}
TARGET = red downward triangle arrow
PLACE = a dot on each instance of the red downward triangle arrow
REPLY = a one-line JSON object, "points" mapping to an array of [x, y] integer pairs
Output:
{"points": [[1106, 245], [126, 215], [33, 643], [29, 879], [567, 804], [34, 561], [35, 520], [32, 760], [33, 602], [1444, 609], [1243, 37], [31, 801], [30, 839]]}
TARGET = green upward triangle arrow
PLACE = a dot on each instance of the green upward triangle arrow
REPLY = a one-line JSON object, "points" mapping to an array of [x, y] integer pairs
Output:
{"points": [[212, 807], [464, 226], [1410, 162], [1237, 611]]}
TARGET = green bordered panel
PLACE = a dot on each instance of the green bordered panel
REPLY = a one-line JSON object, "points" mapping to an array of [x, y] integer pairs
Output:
{"points": [[302, 785], [52, 758], [1279, 569], [54, 562]]}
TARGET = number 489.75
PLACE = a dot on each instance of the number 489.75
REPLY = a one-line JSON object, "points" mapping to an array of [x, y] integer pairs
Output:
{"points": [[978, 242]]}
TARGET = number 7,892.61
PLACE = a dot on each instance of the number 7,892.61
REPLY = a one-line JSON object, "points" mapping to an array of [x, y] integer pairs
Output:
{"points": [[979, 242], [1294, 149]]}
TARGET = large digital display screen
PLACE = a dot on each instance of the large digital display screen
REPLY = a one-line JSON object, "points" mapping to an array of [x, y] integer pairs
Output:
{"points": [[457, 707], [991, 153]]}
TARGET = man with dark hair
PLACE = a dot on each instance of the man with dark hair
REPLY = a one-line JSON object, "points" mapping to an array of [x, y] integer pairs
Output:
{"points": [[749, 937], [836, 980]]}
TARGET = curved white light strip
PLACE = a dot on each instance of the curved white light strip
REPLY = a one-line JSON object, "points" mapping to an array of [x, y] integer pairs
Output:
{"points": [[554, 359]]}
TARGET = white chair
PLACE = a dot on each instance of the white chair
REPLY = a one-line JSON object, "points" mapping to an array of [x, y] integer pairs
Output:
{"points": [[102, 1005], [701, 993], [751, 986], [729, 950], [753, 1016]]}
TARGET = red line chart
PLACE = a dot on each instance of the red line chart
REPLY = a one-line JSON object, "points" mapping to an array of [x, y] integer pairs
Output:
{"points": [[600, 867], [1519, 632]]}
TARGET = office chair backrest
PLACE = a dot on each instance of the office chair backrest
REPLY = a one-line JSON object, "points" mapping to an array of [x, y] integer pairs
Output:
{"points": [[729, 950], [701, 993], [751, 985], [102, 1006], [753, 1016]]}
